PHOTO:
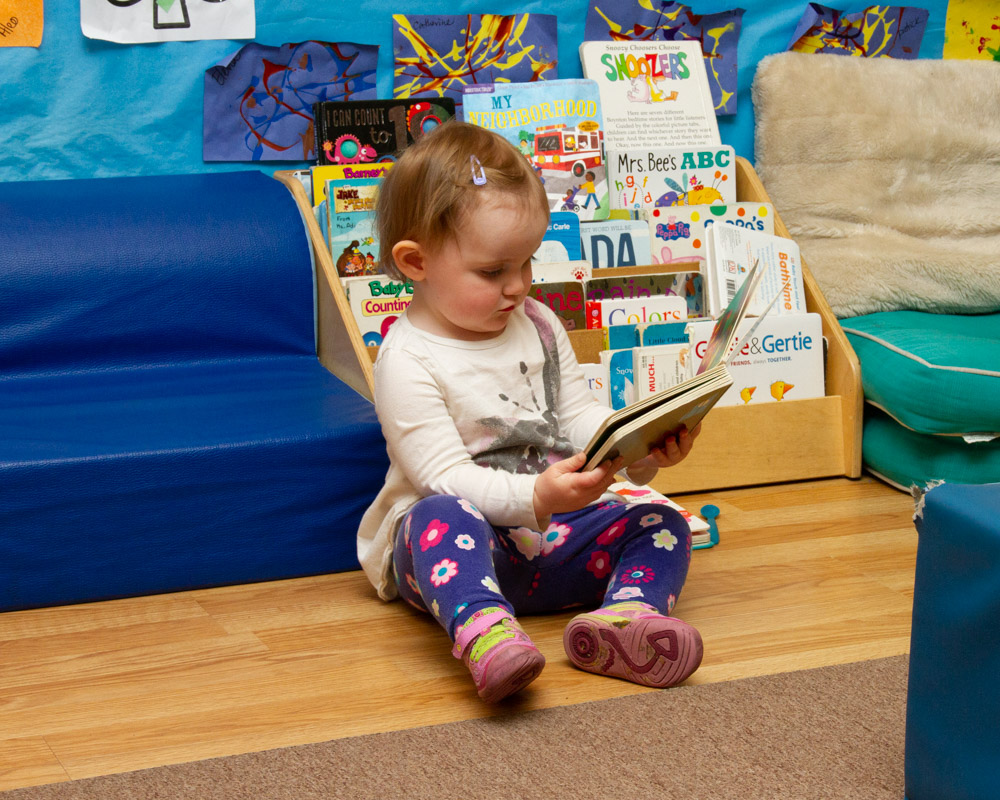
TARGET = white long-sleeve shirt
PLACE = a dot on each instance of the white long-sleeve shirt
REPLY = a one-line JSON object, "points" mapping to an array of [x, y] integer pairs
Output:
{"points": [[477, 420]]}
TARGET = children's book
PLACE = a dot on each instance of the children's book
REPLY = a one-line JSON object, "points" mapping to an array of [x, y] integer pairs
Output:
{"points": [[782, 360], [678, 233], [633, 493], [360, 131], [658, 308], [558, 127], [561, 241], [653, 94], [350, 233], [615, 243], [650, 178], [731, 251], [631, 431], [618, 365], [659, 367], [377, 303], [343, 172], [597, 381]]}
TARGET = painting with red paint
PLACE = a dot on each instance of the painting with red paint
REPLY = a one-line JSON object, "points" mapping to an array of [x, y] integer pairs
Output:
{"points": [[259, 101], [440, 55]]}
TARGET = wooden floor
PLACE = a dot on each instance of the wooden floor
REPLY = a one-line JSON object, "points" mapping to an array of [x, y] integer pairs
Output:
{"points": [[807, 574]]}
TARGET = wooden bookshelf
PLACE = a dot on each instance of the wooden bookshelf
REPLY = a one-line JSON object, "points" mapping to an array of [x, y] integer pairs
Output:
{"points": [[739, 445]]}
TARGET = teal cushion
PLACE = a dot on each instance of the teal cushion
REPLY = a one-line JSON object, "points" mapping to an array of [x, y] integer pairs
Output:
{"points": [[934, 373], [906, 458]]}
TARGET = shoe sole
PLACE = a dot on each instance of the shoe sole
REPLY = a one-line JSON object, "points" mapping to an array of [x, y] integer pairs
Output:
{"points": [[510, 671], [657, 652]]}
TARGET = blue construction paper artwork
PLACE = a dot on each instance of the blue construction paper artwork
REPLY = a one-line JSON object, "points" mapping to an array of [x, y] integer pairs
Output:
{"points": [[875, 32], [258, 102], [664, 20], [439, 55]]}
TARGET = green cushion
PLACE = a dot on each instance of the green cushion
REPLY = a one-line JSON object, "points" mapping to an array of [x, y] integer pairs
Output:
{"points": [[907, 458], [934, 373]]}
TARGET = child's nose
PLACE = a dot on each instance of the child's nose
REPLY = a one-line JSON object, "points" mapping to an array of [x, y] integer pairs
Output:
{"points": [[515, 285]]}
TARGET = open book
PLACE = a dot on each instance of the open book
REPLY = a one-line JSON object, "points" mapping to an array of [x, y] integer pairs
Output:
{"points": [[631, 431]]}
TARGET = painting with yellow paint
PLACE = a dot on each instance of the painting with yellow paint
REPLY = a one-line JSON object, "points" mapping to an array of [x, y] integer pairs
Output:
{"points": [[21, 23], [665, 20], [440, 55], [972, 30], [875, 32]]}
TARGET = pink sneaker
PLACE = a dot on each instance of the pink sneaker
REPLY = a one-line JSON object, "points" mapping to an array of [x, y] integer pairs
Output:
{"points": [[500, 656], [633, 641]]}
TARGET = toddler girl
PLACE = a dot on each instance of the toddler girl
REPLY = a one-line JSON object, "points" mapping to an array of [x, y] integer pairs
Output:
{"points": [[485, 512]]}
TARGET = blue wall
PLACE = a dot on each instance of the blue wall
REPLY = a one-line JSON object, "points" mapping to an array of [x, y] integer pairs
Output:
{"points": [[78, 107]]}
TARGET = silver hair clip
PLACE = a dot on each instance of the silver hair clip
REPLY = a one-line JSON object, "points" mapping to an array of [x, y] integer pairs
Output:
{"points": [[478, 173]]}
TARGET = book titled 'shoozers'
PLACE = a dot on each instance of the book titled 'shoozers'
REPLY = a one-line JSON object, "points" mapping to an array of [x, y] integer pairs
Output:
{"points": [[631, 431], [361, 131]]}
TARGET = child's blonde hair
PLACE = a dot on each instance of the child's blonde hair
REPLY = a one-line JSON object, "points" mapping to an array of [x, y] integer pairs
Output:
{"points": [[428, 193]]}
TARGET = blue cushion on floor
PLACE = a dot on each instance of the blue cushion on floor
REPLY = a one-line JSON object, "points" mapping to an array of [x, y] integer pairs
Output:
{"points": [[953, 700]]}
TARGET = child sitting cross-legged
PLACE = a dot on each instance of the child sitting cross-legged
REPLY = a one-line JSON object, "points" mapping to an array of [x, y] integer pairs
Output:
{"points": [[485, 513]]}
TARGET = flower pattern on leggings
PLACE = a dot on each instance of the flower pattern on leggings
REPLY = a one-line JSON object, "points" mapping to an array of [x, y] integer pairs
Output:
{"points": [[443, 571], [433, 534]]}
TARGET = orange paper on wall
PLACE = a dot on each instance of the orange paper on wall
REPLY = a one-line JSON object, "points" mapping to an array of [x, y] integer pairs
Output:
{"points": [[20, 23]]}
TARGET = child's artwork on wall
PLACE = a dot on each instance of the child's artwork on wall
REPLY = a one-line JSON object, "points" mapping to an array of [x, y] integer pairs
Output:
{"points": [[439, 55], [665, 20], [876, 32], [21, 23], [132, 21], [972, 30], [258, 102]]}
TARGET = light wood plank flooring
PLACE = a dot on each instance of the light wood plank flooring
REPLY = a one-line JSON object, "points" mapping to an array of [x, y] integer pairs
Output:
{"points": [[808, 574]]}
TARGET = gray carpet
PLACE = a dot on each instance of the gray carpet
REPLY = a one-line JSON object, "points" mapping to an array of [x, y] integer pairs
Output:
{"points": [[831, 732]]}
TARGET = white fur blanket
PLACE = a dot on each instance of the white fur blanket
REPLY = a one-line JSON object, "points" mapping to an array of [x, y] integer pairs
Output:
{"points": [[887, 174]]}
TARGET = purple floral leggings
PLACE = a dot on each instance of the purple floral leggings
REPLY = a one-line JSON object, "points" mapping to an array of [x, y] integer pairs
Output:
{"points": [[450, 561]]}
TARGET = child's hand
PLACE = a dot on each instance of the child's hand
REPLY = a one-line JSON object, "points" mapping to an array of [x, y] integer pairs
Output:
{"points": [[561, 488], [672, 450]]}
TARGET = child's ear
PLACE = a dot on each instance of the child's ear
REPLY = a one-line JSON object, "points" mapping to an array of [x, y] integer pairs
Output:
{"points": [[409, 259]]}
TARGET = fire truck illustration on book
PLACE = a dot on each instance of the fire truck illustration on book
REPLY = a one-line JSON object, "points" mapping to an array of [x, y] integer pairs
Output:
{"points": [[573, 149]]}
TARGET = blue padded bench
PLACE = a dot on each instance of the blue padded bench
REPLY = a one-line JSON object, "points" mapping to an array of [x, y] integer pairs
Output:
{"points": [[165, 423], [953, 696]]}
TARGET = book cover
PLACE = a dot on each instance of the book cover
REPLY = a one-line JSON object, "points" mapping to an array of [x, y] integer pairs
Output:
{"points": [[633, 493], [658, 308], [597, 381], [565, 298], [782, 359], [360, 131], [376, 304], [342, 172], [650, 178], [561, 241], [615, 243], [678, 232], [558, 127], [731, 253], [653, 94], [350, 233], [658, 367], [618, 364]]}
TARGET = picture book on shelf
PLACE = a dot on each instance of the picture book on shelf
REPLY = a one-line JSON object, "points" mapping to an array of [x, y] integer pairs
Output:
{"points": [[731, 251], [653, 94], [678, 232], [782, 360], [349, 232], [632, 430], [343, 172], [361, 131], [558, 127], [561, 241], [657, 308], [650, 178], [376, 303], [615, 243]]}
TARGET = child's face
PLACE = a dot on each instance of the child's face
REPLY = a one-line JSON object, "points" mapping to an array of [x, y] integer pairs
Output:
{"points": [[474, 281]]}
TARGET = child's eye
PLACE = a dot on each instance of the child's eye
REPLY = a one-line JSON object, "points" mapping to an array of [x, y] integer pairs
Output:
{"points": [[491, 273]]}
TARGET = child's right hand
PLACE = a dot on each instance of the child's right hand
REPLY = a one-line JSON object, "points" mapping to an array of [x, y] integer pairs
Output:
{"points": [[562, 488]]}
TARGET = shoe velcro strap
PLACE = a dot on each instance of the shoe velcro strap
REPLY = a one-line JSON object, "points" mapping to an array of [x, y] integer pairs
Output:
{"points": [[477, 624]]}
